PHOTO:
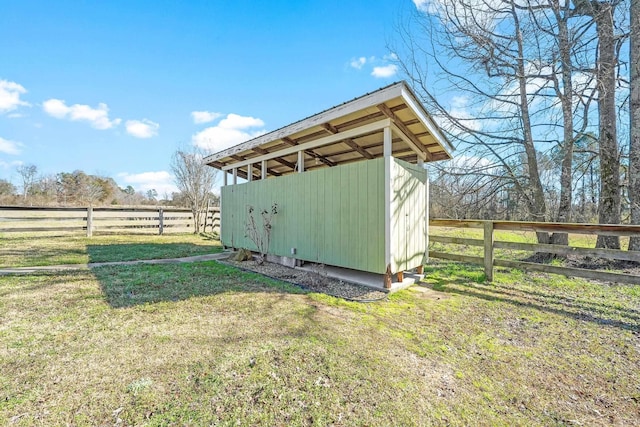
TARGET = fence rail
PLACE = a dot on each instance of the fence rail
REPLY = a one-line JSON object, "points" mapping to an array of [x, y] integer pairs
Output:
{"points": [[15, 219], [489, 244]]}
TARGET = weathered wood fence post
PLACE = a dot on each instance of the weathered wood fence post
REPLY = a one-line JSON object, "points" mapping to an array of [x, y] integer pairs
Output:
{"points": [[89, 221], [160, 221], [206, 216], [488, 250]]}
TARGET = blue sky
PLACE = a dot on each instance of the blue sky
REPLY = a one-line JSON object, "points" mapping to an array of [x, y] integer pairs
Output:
{"points": [[115, 87]]}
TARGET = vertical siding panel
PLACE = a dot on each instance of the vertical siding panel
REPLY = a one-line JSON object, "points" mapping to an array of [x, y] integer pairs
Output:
{"points": [[309, 218], [368, 215], [363, 217], [332, 192], [302, 238], [314, 192], [337, 251], [346, 194], [331, 215], [376, 216]]}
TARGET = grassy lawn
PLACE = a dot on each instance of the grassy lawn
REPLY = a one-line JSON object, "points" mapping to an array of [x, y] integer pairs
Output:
{"points": [[205, 344], [28, 250]]}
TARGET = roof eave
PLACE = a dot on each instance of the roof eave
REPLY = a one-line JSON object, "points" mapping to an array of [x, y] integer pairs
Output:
{"points": [[426, 119], [371, 99]]}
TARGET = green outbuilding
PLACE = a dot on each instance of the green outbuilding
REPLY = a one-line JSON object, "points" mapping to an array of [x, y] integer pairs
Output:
{"points": [[350, 184]]}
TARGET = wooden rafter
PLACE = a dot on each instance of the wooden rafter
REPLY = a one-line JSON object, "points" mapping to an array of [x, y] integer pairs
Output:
{"points": [[349, 141], [330, 128], [310, 153], [290, 142], [364, 153], [357, 122], [323, 159], [404, 129], [277, 159]]}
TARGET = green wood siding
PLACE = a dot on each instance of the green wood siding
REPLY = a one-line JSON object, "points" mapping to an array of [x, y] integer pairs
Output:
{"points": [[333, 215], [408, 210]]}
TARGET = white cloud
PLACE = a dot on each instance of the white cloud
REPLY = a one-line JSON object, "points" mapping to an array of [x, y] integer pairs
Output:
{"points": [[144, 128], [385, 71], [426, 6], [460, 110], [204, 116], [358, 63], [98, 118], [230, 131], [10, 165], [9, 147], [161, 181], [10, 96]]}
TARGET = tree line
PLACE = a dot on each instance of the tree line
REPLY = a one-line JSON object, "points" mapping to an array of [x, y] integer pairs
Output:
{"points": [[193, 178], [78, 188], [542, 99]]}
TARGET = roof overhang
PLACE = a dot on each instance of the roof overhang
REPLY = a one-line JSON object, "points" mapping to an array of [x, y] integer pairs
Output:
{"points": [[346, 133]]}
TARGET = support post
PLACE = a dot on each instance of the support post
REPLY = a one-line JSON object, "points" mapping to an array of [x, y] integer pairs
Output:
{"points": [[263, 170], [387, 138], [235, 176], [425, 257], [250, 172], [225, 175], [387, 277], [488, 250], [387, 203], [426, 213], [300, 161], [160, 221], [89, 221]]}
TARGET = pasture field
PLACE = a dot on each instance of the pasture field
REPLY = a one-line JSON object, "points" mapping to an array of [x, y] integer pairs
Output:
{"points": [[207, 344]]}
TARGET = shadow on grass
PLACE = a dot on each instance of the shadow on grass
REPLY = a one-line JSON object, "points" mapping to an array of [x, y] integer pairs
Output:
{"points": [[468, 280], [131, 285], [146, 251]]}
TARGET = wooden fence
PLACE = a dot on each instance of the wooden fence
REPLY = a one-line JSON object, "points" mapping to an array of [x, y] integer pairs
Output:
{"points": [[488, 245], [104, 220]]}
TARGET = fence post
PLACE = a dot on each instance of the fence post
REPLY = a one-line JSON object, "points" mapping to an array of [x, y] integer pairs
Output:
{"points": [[206, 216], [160, 221], [89, 221], [488, 250]]}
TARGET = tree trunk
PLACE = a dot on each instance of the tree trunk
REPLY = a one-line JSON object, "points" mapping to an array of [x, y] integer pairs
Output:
{"points": [[538, 208], [609, 209], [634, 120], [566, 99]]}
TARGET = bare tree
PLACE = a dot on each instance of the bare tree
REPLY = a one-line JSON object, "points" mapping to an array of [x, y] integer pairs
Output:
{"points": [[484, 51], [531, 71], [194, 179], [609, 204], [634, 120], [27, 176]]}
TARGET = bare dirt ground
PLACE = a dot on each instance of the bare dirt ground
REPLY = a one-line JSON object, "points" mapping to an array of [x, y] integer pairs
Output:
{"points": [[316, 281]]}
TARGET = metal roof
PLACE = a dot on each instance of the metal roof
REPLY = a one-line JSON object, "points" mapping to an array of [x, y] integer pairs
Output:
{"points": [[348, 132]]}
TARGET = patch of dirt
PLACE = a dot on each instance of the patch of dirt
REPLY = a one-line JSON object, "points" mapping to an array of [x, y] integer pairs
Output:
{"points": [[589, 263], [314, 281], [627, 267]]}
